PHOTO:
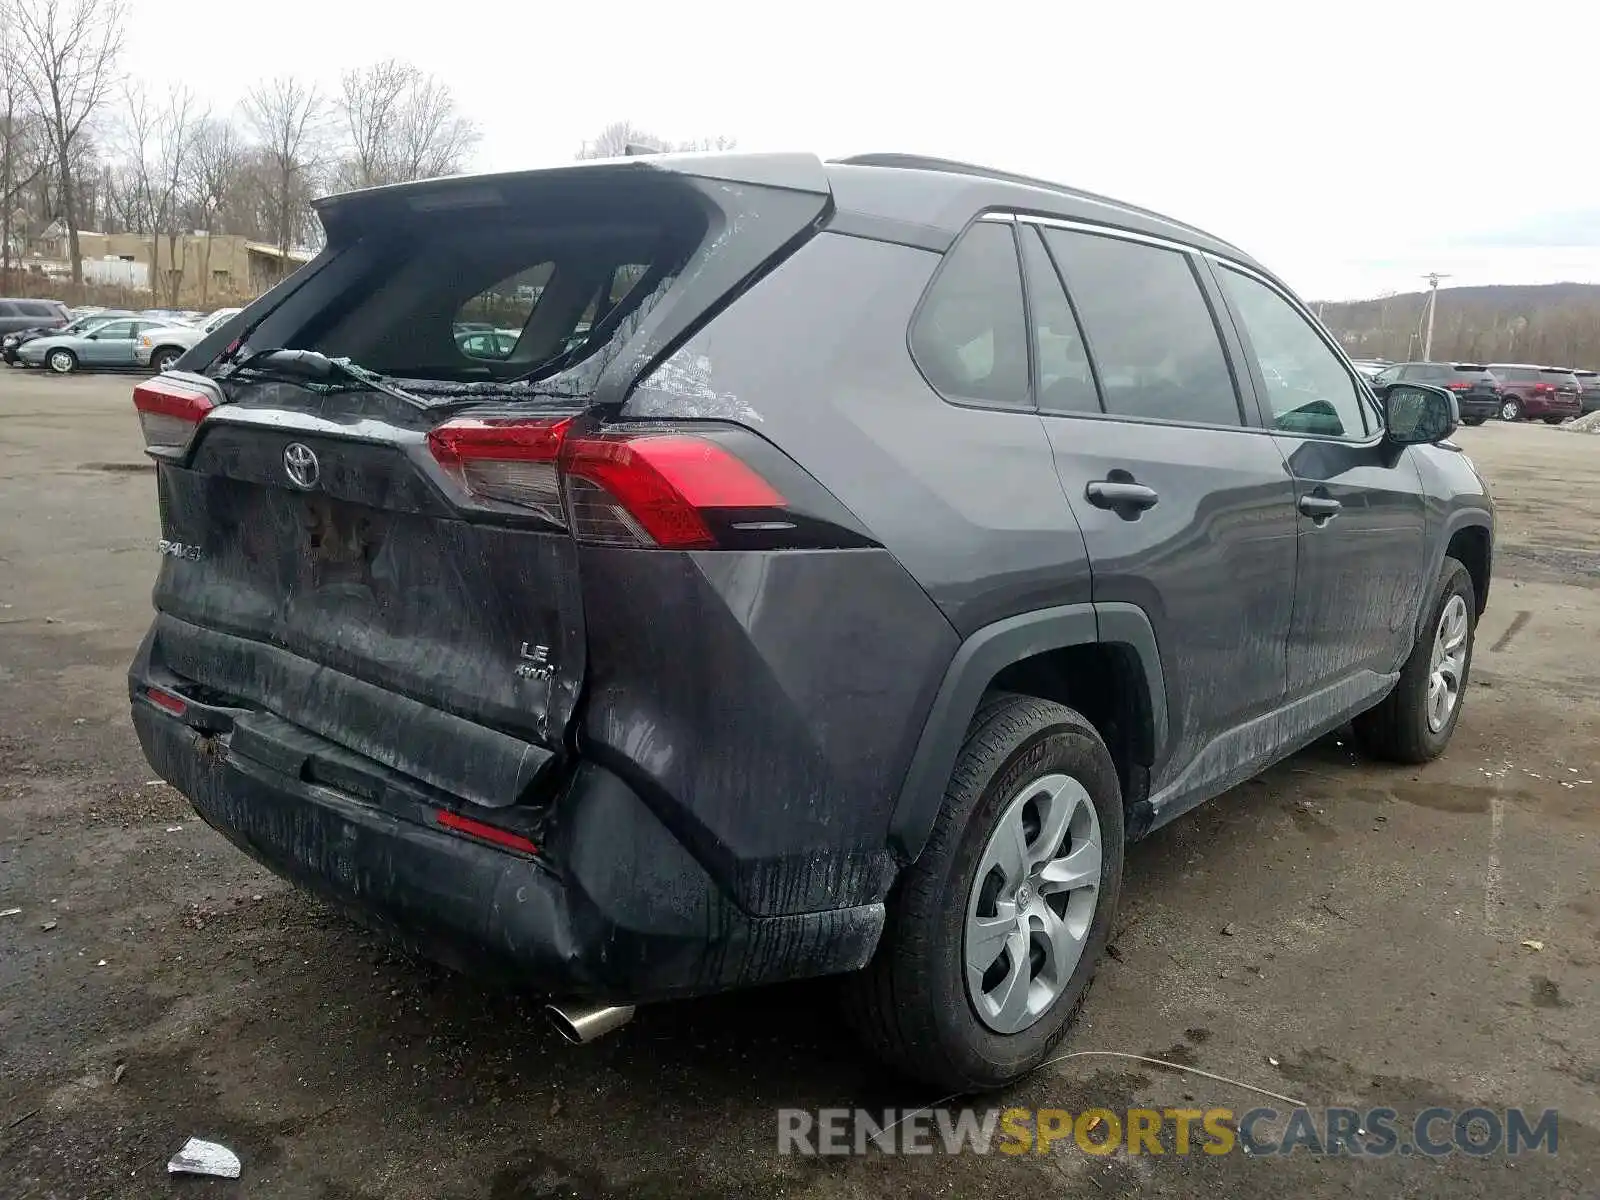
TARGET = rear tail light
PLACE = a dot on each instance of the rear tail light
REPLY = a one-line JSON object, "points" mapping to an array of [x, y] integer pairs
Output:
{"points": [[169, 413], [1543, 389], [656, 489], [640, 489], [506, 461]]}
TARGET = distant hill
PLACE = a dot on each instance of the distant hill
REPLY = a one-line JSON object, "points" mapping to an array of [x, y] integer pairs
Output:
{"points": [[1553, 323]]}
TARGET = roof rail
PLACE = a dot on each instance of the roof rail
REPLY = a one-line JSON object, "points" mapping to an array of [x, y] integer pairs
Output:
{"points": [[923, 162]]}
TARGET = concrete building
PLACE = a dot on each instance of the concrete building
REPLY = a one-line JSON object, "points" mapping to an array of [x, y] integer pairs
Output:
{"points": [[198, 269]]}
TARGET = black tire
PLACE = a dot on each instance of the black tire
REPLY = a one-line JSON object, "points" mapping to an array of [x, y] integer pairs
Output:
{"points": [[1474, 421], [1511, 409], [1396, 729], [163, 357], [910, 1005], [1554, 420], [62, 361]]}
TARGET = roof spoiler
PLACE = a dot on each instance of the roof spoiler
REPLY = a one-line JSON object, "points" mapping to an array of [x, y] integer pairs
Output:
{"points": [[347, 215]]}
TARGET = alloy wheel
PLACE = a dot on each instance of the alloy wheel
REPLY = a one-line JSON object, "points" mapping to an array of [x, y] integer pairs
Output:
{"points": [[1032, 903]]}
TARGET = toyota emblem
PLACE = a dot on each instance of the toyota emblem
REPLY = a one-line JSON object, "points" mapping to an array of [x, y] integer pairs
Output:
{"points": [[300, 462]]}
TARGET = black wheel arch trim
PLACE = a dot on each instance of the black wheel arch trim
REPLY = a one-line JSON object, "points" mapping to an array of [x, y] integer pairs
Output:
{"points": [[982, 656], [1461, 518]]}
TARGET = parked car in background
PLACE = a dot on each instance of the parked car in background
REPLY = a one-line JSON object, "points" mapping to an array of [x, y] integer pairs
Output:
{"points": [[1474, 387], [1370, 367], [10, 343], [31, 314], [159, 348], [108, 345], [711, 660], [1528, 391], [1588, 390]]}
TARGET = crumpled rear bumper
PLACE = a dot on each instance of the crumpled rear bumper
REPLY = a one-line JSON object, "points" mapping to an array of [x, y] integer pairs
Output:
{"points": [[610, 906]]}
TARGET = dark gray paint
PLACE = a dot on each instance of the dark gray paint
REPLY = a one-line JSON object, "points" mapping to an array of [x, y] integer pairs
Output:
{"points": [[740, 747]]}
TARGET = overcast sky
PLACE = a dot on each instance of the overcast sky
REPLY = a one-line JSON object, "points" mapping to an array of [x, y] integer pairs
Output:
{"points": [[1351, 146]]}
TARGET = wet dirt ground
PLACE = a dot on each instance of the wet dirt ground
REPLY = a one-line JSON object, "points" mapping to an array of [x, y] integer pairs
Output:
{"points": [[157, 985]]}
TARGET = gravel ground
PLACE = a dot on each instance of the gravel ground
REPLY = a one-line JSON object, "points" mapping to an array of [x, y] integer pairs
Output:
{"points": [[156, 984]]}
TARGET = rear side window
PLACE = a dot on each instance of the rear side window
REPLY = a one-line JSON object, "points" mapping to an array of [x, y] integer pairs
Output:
{"points": [[46, 311], [969, 335], [1065, 382], [1308, 388], [7, 310], [1149, 329]]}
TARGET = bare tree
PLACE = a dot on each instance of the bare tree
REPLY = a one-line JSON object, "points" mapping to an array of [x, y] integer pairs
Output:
{"points": [[68, 52], [213, 177], [23, 151], [615, 139], [400, 124], [287, 118]]}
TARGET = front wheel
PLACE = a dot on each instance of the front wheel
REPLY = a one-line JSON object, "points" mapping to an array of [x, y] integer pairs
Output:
{"points": [[1474, 421], [1511, 410], [164, 357], [995, 932], [62, 362], [1554, 420], [1414, 722]]}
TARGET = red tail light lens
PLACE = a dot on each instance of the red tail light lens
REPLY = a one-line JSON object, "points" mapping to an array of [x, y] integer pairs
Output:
{"points": [[169, 413], [652, 489], [622, 489], [506, 461]]}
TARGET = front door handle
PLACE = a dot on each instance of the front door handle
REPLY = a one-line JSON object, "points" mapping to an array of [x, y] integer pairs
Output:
{"points": [[1123, 496], [1320, 509]]}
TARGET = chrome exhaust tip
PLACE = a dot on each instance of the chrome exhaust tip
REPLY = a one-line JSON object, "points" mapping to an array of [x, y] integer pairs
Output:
{"points": [[581, 1024]]}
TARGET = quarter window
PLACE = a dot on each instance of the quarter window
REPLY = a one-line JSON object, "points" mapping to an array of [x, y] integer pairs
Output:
{"points": [[1149, 328], [1308, 388], [969, 337]]}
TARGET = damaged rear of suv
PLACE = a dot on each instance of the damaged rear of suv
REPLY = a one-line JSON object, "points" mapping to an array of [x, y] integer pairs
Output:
{"points": [[649, 578], [462, 653]]}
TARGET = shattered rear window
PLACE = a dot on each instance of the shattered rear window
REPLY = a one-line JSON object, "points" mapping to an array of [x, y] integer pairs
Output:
{"points": [[500, 303]]}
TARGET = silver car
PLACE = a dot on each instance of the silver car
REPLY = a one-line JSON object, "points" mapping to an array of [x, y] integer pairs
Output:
{"points": [[160, 347], [111, 345]]}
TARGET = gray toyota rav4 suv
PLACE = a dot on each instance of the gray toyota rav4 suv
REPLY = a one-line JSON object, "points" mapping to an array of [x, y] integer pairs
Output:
{"points": [[832, 570]]}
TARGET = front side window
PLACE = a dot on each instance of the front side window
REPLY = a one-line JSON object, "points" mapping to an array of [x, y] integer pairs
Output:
{"points": [[969, 337], [1308, 388], [1149, 329]]}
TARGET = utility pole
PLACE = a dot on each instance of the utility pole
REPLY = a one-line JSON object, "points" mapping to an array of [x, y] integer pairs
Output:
{"points": [[1433, 278]]}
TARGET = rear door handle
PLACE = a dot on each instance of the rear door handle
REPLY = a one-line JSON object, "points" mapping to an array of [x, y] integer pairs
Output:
{"points": [[1121, 495], [1320, 508]]}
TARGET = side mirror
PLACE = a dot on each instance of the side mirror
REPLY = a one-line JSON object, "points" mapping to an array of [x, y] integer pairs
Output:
{"points": [[1417, 413]]}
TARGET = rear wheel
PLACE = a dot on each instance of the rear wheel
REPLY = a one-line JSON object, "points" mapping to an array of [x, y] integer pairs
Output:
{"points": [[1511, 409], [62, 362], [1414, 722], [994, 933], [1554, 420]]}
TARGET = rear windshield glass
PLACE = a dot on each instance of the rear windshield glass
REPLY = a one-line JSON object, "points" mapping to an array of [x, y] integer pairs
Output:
{"points": [[1562, 378], [525, 295], [1472, 374], [1516, 374]]}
